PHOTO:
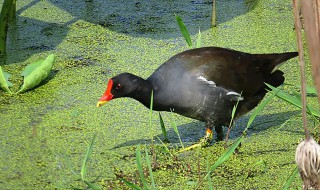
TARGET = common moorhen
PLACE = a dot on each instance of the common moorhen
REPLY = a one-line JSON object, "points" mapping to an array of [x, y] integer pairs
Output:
{"points": [[204, 84]]}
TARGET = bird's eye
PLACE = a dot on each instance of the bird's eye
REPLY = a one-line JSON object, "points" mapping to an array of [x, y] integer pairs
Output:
{"points": [[118, 86]]}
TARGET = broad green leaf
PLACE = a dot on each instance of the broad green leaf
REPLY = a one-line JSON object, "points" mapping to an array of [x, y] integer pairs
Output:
{"points": [[86, 158], [4, 82], [293, 100], [36, 72], [184, 31]]}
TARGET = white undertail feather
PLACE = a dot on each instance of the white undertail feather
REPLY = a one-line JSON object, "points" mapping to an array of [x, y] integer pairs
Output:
{"points": [[276, 67]]}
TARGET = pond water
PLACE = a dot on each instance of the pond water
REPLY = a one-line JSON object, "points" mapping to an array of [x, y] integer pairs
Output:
{"points": [[45, 132]]}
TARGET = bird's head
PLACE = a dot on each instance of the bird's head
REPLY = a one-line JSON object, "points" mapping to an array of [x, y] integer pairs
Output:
{"points": [[122, 85]]}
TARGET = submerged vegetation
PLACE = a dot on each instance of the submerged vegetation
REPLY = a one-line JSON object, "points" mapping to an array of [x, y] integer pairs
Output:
{"points": [[44, 131]]}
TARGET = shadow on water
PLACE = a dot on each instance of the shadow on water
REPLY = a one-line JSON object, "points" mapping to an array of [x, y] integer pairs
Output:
{"points": [[149, 19], [192, 132]]}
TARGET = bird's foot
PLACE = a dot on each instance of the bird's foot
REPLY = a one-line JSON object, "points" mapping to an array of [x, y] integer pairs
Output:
{"points": [[204, 142]]}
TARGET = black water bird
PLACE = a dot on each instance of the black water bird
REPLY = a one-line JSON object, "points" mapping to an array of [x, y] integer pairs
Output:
{"points": [[204, 84]]}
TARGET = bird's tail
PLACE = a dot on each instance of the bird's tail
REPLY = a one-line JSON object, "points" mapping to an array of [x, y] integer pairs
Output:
{"points": [[274, 60]]}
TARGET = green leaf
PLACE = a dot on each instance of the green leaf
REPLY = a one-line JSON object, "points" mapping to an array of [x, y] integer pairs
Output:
{"points": [[149, 167], [210, 185], [92, 185], [259, 108], [175, 128], [129, 184], [4, 82], [86, 158], [222, 158], [36, 72], [290, 178], [184, 31], [198, 42], [293, 100], [165, 146], [151, 108], [5, 16], [226, 155], [140, 169], [311, 90], [163, 128]]}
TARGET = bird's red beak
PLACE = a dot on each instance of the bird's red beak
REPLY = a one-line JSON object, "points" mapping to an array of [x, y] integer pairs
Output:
{"points": [[107, 96]]}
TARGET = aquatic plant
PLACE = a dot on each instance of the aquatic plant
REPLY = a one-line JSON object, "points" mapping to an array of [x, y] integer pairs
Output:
{"points": [[214, 14], [185, 33], [4, 82], [36, 72], [84, 165], [33, 75], [7, 13]]}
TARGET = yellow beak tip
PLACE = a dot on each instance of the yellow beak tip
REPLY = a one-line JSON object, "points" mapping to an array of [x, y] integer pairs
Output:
{"points": [[101, 103]]}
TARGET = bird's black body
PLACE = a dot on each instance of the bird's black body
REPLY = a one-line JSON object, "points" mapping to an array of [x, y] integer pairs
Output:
{"points": [[206, 83]]}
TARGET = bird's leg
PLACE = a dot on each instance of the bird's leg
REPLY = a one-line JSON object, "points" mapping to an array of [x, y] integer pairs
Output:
{"points": [[219, 132], [206, 140]]}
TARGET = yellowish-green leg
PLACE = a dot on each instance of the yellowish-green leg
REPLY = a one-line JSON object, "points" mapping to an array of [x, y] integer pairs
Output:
{"points": [[205, 141]]}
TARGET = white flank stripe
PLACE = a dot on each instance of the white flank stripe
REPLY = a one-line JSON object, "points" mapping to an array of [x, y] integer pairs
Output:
{"points": [[201, 78], [235, 94]]}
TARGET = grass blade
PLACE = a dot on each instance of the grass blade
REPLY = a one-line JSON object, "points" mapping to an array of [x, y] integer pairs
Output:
{"points": [[149, 167], [198, 42], [290, 178], [163, 128], [184, 31], [175, 128], [210, 186], [129, 184], [92, 185], [222, 158], [86, 158], [151, 108], [259, 108], [140, 169], [293, 100], [165, 146], [311, 91]]}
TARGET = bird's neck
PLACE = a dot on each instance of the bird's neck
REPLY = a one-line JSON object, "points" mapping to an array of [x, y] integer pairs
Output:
{"points": [[143, 92]]}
